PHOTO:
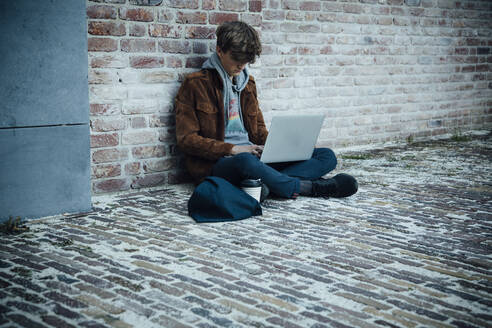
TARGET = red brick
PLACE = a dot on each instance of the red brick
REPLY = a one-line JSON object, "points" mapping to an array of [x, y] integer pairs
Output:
{"points": [[307, 51], [157, 77], [429, 22], [219, 18], [309, 28], [482, 68], [174, 62], [310, 16], [326, 50], [364, 19], [273, 4], [165, 16], [483, 51], [109, 155], [353, 9], [188, 4], [104, 125], [165, 31], [148, 152], [310, 6], [136, 45], [200, 32], [158, 121], [132, 168], [268, 49], [283, 83], [270, 26], [111, 185], [274, 14], [101, 12], [138, 14], [149, 180], [398, 21], [416, 11], [140, 107], [106, 171], [195, 62], [104, 140], [385, 20], [138, 122], [138, 137], [137, 30], [106, 28], [175, 46], [397, 11], [255, 6], [146, 62], [472, 42], [198, 17], [160, 165], [461, 51], [105, 109], [327, 17], [290, 4], [102, 44], [252, 19], [208, 4], [99, 77], [108, 61], [200, 47], [233, 5]]}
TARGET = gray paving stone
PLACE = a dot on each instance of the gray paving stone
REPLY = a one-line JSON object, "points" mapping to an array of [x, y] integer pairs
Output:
{"points": [[411, 249]]}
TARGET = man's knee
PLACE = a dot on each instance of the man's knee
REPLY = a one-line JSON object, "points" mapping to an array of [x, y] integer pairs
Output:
{"points": [[246, 161], [327, 156]]}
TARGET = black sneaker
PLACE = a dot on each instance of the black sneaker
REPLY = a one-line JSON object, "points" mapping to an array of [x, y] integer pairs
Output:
{"points": [[341, 185]]}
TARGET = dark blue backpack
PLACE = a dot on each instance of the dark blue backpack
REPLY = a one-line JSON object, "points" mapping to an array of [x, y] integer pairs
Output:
{"points": [[217, 200]]}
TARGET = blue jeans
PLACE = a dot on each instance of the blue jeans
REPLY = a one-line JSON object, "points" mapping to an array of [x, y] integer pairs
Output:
{"points": [[283, 179]]}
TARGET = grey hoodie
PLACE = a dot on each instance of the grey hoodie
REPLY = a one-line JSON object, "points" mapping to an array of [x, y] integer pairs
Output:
{"points": [[235, 135]]}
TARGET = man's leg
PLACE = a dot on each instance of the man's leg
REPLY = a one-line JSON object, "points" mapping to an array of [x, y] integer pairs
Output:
{"points": [[310, 172], [322, 162], [247, 166]]}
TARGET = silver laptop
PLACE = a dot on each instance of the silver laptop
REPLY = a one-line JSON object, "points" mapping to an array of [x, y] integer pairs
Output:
{"points": [[292, 138]]}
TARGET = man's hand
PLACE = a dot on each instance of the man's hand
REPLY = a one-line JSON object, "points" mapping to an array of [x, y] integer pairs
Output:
{"points": [[253, 149]]}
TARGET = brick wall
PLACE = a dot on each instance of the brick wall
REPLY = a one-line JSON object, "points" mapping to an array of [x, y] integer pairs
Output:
{"points": [[379, 70]]}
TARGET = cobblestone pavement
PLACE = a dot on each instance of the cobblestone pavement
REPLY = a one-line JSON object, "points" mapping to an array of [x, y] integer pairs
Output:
{"points": [[411, 249]]}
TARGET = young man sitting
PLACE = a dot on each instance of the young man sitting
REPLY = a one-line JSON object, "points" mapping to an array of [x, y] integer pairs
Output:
{"points": [[220, 127]]}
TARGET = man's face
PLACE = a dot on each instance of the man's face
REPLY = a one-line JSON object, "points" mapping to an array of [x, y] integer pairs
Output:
{"points": [[232, 67]]}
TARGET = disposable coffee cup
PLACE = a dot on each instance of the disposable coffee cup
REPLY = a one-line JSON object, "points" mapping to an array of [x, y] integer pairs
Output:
{"points": [[252, 187]]}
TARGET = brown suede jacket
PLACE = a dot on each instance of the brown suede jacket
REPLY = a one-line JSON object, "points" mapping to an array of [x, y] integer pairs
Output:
{"points": [[200, 121]]}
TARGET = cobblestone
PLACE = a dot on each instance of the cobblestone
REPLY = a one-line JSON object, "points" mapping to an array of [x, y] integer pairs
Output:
{"points": [[411, 249]]}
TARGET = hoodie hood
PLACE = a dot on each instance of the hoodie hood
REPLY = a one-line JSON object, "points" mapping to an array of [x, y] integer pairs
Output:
{"points": [[240, 81]]}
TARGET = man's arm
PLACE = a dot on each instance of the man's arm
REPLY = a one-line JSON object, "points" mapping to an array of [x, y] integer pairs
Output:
{"points": [[188, 126], [253, 149]]}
